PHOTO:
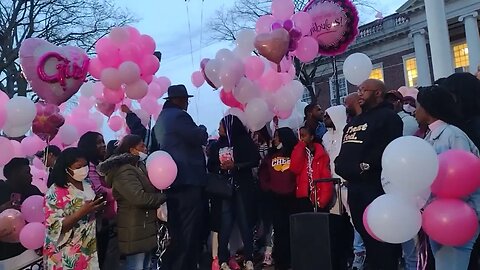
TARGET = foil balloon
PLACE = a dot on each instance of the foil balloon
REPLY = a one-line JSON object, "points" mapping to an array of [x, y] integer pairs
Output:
{"points": [[203, 64], [48, 121], [274, 45], [55, 73], [334, 24]]}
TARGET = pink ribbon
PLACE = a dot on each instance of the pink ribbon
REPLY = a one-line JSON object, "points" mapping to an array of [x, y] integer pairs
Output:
{"points": [[65, 69]]}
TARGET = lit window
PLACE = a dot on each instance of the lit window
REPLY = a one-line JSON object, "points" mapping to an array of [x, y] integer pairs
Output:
{"points": [[377, 73], [460, 55], [342, 89], [411, 72]]}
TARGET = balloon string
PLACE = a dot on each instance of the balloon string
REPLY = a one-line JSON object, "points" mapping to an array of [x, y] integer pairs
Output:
{"points": [[422, 260], [189, 33], [45, 154]]}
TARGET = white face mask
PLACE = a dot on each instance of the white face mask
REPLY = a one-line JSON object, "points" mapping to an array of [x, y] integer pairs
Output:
{"points": [[79, 174], [409, 108], [279, 146], [142, 156]]}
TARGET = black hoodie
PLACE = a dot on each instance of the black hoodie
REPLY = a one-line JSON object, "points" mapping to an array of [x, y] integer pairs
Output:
{"points": [[364, 140]]}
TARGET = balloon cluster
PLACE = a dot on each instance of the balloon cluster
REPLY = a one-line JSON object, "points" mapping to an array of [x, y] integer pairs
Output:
{"points": [[31, 234], [412, 173]]}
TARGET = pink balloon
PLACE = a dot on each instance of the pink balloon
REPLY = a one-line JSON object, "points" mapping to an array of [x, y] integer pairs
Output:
{"points": [[17, 149], [458, 174], [154, 90], [98, 90], [149, 64], [116, 123], [197, 79], [282, 9], [107, 51], [264, 24], [68, 134], [134, 34], [38, 163], [111, 78], [270, 81], [254, 67], [303, 21], [102, 106], [86, 102], [136, 90], [32, 235], [163, 82], [162, 169], [150, 105], [32, 144], [113, 96], [231, 73], [307, 49], [443, 218], [147, 44], [129, 72], [367, 227], [32, 209], [8, 151], [13, 220], [147, 78], [119, 35], [96, 67], [130, 52], [228, 99]]}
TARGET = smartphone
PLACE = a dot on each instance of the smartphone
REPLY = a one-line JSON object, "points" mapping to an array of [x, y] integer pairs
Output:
{"points": [[16, 198], [99, 196]]}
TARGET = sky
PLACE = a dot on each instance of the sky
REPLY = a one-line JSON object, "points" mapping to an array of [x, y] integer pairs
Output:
{"points": [[180, 29]]}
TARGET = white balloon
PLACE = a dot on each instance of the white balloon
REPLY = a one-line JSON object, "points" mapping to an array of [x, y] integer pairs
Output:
{"points": [[20, 112], [68, 134], [223, 56], [245, 91], [394, 219], [16, 131], [297, 88], [212, 71], [238, 113], [256, 114], [284, 100], [410, 165], [245, 39], [144, 117], [357, 68]]}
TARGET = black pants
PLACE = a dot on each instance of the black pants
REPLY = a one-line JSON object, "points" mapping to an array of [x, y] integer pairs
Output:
{"points": [[282, 206], [185, 216], [381, 256], [236, 209]]}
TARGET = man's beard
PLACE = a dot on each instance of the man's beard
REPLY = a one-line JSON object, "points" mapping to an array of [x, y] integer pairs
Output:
{"points": [[351, 113]]}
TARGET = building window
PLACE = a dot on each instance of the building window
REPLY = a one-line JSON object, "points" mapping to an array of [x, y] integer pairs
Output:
{"points": [[377, 73], [411, 72], [460, 57], [306, 96], [343, 90]]}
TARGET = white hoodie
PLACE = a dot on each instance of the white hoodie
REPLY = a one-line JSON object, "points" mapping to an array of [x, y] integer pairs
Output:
{"points": [[332, 140]]}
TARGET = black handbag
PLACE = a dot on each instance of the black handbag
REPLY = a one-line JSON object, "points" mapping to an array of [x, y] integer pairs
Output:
{"points": [[219, 185]]}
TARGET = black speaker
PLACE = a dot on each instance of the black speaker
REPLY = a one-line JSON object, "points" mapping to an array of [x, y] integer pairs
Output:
{"points": [[320, 241]]}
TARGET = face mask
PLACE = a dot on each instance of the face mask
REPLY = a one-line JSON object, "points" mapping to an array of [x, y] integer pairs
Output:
{"points": [[279, 146], [142, 156], [409, 108], [79, 174]]}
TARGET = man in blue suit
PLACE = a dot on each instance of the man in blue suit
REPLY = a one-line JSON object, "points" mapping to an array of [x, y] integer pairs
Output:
{"points": [[177, 134]]}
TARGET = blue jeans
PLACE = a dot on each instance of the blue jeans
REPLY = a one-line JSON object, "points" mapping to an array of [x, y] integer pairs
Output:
{"points": [[410, 254], [452, 258], [358, 245], [140, 261]]}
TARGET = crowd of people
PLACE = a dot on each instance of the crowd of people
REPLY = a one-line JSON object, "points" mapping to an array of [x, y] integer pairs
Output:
{"points": [[236, 193]]}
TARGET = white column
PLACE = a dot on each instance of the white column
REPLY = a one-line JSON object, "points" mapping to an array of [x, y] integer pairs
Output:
{"points": [[473, 39], [421, 55], [439, 39]]}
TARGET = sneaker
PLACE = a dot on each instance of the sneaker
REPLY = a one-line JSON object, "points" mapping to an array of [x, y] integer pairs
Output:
{"points": [[233, 264], [358, 261], [215, 264], [249, 265], [267, 259], [225, 267]]}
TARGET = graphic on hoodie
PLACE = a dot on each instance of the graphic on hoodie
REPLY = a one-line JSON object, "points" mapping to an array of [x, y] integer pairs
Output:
{"points": [[351, 135], [281, 164]]}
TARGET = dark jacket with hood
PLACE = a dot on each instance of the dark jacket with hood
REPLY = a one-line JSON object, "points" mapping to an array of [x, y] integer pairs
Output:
{"points": [[137, 203], [245, 153], [178, 135], [136, 127], [364, 140]]}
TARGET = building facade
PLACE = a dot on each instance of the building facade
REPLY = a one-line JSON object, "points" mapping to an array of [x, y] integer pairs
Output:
{"points": [[407, 51]]}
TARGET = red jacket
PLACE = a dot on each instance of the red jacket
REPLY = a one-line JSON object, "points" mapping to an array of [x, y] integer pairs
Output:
{"points": [[275, 174], [320, 167]]}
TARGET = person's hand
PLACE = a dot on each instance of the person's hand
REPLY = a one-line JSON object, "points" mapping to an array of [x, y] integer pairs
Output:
{"points": [[125, 108], [92, 206], [227, 165]]}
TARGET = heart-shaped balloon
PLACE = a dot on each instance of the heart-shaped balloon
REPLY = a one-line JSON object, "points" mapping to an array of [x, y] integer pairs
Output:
{"points": [[55, 73], [273, 45], [104, 107], [203, 64], [48, 121]]}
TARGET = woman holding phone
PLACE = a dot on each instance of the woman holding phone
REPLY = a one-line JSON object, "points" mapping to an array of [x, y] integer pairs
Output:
{"points": [[70, 207]]}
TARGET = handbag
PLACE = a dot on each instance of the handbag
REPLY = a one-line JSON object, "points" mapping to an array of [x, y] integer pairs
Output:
{"points": [[219, 185]]}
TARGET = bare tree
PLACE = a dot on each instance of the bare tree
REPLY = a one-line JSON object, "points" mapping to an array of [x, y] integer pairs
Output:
{"points": [[75, 22], [243, 15]]}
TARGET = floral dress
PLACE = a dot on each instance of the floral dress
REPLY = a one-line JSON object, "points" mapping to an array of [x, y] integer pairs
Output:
{"points": [[77, 248]]}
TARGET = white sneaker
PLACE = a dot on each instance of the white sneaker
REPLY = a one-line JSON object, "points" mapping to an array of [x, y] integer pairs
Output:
{"points": [[225, 266], [249, 265], [359, 261]]}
